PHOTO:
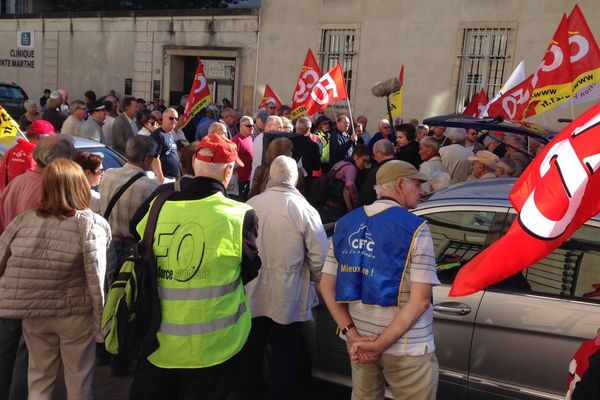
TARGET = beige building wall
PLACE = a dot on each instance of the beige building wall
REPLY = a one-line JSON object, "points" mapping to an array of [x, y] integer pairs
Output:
{"points": [[425, 36], [101, 53]]}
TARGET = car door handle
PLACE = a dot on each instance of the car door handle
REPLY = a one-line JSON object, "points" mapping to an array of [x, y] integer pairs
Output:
{"points": [[453, 308]]}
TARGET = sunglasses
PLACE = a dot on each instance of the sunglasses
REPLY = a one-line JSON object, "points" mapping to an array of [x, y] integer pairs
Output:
{"points": [[173, 118], [248, 126]]}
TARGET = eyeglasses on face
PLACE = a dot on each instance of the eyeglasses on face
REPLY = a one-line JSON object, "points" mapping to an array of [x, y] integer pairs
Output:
{"points": [[99, 171], [173, 118], [248, 126]]}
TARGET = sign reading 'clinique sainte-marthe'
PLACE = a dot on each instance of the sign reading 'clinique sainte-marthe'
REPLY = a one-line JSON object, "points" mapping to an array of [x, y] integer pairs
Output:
{"points": [[19, 58]]}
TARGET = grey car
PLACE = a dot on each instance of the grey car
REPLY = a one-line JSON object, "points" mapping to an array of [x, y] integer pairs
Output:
{"points": [[513, 340]]}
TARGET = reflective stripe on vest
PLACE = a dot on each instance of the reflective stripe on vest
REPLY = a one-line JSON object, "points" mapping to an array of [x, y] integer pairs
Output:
{"points": [[196, 293], [204, 327]]}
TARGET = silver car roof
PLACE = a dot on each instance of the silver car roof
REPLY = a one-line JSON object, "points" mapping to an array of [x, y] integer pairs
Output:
{"points": [[484, 192]]}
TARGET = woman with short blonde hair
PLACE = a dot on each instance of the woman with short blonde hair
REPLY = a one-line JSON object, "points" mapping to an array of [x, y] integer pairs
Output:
{"points": [[52, 267]]}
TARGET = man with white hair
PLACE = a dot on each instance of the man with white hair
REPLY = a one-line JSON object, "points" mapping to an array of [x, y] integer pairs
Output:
{"points": [[483, 165], [515, 150], [74, 121], [378, 289], [432, 162], [385, 132], [283, 295], [52, 113], [505, 167], [245, 149], [455, 156], [206, 251]]}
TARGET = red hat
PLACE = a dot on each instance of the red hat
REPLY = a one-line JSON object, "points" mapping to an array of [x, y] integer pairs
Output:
{"points": [[40, 127], [223, 149]]}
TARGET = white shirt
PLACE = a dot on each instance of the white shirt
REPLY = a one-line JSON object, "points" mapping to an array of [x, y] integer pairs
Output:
{"points": [[372, 321]]}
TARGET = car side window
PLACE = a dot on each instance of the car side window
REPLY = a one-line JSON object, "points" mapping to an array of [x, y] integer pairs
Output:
{"points": [[572, 269], [458, 236], [108, 159]]}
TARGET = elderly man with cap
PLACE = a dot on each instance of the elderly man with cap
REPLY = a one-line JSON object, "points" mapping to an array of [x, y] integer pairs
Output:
{"points": [[92, 127], [483, 165], [19, 158], [206, 248], [378, 288]]}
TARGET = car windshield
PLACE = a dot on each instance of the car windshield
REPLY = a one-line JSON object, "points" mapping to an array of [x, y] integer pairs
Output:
{"points": [[11, 92]]}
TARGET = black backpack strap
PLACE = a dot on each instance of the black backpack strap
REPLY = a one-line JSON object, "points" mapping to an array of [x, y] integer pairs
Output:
{"points": [[119, 193], [153, 214]]}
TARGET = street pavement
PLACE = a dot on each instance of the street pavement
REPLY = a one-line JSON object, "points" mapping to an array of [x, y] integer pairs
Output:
{"points": [[117, 388]]}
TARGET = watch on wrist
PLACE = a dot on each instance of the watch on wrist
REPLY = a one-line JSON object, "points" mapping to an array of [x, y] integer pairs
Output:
{"points": [[347, 328]]}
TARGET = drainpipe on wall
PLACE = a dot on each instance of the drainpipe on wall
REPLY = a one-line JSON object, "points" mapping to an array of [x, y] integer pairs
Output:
{"points": [[257, 51]]}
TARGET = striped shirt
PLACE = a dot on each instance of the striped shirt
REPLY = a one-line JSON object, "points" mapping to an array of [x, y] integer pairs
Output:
{"points": [[373, 320]]}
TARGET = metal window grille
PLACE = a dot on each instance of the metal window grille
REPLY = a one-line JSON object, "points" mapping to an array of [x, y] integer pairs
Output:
{"points": [[483, 63], [337, 46], [14, 6]]}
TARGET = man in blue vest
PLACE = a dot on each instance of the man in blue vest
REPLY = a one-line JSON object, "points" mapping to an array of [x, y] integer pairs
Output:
{"points": [[377, 283]]}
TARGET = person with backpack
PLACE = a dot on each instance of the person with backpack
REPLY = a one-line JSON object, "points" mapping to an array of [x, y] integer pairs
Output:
{"points": [[205, 251], [52, 265], [347, 172]]}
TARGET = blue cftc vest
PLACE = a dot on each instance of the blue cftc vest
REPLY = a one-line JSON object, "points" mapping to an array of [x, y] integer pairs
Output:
{"points": [[372, 254]]}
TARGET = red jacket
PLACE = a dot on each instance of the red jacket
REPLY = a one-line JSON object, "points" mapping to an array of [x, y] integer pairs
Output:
{"points": [[16, 161]]}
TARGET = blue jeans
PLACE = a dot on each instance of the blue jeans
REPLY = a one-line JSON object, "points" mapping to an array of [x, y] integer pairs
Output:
{"points": [[13, 361]]}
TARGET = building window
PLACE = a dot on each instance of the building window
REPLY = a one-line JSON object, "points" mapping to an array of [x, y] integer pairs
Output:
{"points": [[339, 46], [14, 6], [483, 62]]}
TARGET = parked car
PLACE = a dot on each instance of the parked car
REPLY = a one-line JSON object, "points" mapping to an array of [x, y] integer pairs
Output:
{"points": [[12, 97], [513, 340], [112, 159]]}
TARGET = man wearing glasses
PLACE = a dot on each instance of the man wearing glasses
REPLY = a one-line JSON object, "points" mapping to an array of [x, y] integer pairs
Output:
{"points": [[385, 132], [167, 147], [243, 141]]}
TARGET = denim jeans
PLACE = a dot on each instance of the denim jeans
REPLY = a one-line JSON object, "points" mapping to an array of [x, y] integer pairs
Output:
{"points": [[13, 361]]}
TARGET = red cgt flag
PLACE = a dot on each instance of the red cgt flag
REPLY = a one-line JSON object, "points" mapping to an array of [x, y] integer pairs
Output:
{"points": [[329, 89], [556, 194], [309, 75], [269, 96], [513, 104], [478, 102], [199, 95], [552, 81], [585, 58]]}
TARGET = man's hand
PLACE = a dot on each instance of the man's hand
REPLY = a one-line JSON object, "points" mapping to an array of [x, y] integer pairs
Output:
{"points": [[354, 137], [366, 351], [360, 357]]}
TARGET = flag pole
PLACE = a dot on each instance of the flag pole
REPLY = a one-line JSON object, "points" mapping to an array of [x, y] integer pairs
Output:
{"points": [[351, 118]]}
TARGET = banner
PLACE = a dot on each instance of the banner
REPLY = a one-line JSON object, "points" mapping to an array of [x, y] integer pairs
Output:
{"points": [[517, 76], [477, 105], [556, 194], [269, 95], [329, 89], [9, 129], [310, 73], [552, 81], [396, 98], [199, 97]]}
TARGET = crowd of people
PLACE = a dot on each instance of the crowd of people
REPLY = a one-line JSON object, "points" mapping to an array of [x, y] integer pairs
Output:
{"points": [[239, 184]]}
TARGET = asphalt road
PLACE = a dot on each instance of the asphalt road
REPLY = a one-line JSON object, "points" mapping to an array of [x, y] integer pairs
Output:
{"points": [[117, 388]]}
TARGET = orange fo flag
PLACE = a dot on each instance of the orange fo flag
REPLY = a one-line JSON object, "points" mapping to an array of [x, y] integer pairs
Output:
{"points": [[552, 81], [199, 97], [329, 89], [310, 73], [477, 104], [269, 98]]}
